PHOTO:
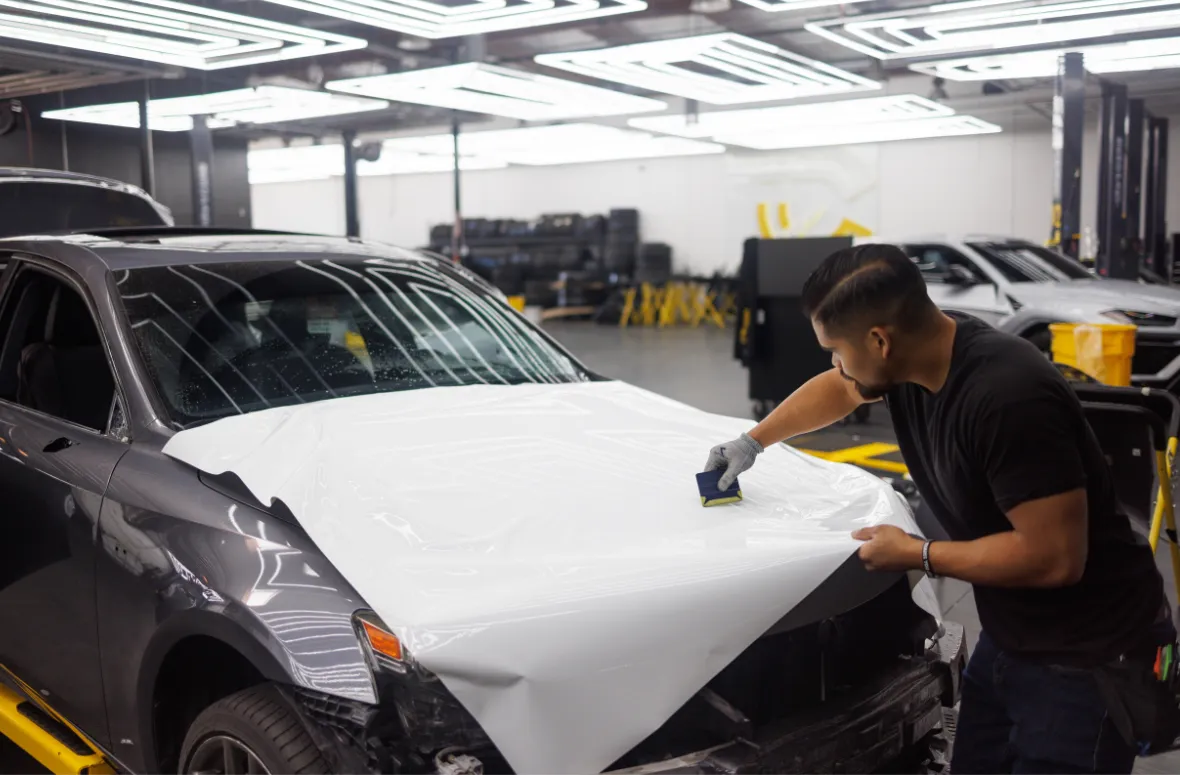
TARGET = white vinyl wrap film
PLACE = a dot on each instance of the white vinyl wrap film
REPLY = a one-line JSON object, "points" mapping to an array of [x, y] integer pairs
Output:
{"points": [[542, 548]]}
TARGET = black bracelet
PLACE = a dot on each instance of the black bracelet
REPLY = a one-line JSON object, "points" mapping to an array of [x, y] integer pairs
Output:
{"points": [[926, 560]]}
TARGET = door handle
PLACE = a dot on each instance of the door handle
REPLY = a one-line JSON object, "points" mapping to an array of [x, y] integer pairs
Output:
{"points": [[58, 444]]}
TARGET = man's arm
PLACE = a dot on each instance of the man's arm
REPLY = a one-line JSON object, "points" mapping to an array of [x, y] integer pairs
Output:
{"points": [[1047, 547], [819, 402]]}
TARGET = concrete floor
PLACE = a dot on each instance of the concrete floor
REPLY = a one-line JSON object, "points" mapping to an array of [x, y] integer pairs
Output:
{"points": [[696, 366]]}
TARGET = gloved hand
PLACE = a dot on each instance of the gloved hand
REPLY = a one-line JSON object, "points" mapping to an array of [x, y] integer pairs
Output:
{"points": [[736, 457]]}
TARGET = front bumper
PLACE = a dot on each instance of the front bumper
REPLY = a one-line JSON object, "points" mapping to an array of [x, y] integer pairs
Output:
{"points": [[862, 732]]}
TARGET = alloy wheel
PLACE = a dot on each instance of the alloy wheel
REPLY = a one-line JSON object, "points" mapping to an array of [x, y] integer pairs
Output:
{"points": [[224, 755]]}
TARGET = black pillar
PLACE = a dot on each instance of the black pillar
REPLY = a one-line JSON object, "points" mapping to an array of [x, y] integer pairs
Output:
{"points": [[1069, 111], [1135, 114], [147, 161], [1112, 259], [456, 177], [352, 218], [1155, 226], [201, 147]]}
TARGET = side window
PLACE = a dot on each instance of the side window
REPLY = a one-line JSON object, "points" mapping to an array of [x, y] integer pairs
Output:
{"points": [[52, 359], [935, 261]]}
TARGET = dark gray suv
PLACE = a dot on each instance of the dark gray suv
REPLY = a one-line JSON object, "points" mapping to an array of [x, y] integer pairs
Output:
{"points": [[164, 619]]}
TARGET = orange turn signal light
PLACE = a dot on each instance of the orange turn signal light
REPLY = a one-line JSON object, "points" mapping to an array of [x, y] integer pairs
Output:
{"points": [[384, 643]]}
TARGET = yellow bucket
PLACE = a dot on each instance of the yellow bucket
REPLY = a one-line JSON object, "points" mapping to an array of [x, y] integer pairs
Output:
{"points": [[517, 303], [1102, 350]]}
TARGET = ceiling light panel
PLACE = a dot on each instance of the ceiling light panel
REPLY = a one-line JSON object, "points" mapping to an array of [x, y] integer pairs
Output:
{"points": [[164, 32], [559, 144], [721, 69], [980, 26], [320, 162], [438, 19], [897, 107], [852, 134], [793, 5], [257, 105], [498, 91], [1128, 57]]}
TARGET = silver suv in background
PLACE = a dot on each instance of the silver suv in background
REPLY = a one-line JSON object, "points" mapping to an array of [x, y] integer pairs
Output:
{"points": [[1021, 287]]}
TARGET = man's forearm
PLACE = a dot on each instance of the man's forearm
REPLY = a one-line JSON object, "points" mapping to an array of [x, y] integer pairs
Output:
{"points": [[819, 402], [1001, 560]]}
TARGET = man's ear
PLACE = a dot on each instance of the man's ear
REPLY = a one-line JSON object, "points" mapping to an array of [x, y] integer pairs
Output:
{"points": [[879, 341]]}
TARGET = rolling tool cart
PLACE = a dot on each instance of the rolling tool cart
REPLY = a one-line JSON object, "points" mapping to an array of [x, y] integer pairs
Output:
{"points": [[774, 339]]}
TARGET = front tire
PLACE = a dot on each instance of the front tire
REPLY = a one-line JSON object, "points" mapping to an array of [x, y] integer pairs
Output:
{"points": [[254, 731]]}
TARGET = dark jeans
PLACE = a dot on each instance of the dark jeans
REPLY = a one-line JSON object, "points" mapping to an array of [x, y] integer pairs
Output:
{"points": [[1021, 717]]}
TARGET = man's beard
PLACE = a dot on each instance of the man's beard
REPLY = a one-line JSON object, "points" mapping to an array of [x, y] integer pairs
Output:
{"points": [[867, 392]]}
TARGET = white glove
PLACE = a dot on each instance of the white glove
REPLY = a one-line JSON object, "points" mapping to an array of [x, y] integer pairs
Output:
{"points": [[736, 457]]}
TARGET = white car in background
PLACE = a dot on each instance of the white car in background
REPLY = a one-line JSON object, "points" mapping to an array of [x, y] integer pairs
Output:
{"points": [[1021, 287]]}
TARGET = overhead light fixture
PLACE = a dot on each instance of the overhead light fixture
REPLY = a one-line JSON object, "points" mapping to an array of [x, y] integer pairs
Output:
{"points": [[897, 107], [558, 144], [435, 19], [982, 26], [720, 69], [256, 105], [1127, 57], [320, 162], [844, 122], [794, 5], [165, 32], [498, 91], [854, 134]]}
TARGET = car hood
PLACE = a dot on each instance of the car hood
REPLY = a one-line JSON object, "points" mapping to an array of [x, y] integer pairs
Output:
{"points": [[1085, 300], [543, 548]]}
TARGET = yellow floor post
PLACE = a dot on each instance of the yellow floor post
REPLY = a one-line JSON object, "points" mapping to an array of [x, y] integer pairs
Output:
{"points": [[1163, 500], [1170, 511], [628, 307], [711, 312]]}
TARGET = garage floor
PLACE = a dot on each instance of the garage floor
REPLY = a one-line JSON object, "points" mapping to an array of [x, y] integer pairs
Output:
{"points": [[696, 366]]}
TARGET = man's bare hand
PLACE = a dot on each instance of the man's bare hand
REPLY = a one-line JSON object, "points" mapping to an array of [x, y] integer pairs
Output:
{"points": [[888, 548]]}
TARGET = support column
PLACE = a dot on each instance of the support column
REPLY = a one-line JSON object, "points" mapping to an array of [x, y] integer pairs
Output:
{"points": [[147, 160], [1134, 213], [456, 178], [1112, 258], [201, 149], [352, 218], [1155, 226], [1069, 110]]}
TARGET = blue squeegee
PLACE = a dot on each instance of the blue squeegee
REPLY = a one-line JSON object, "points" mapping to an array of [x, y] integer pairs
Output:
{"points": [[711, 495]]}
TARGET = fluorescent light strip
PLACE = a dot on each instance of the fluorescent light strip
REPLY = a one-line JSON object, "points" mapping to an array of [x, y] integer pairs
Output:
{"points": [[721, 69], [435, 20], [559, 144], [852, 134], [1128, 57], [257, 105], [320, 162], [164, 32], [775, 6], [713, 124], [498, 91], [979, 27]]}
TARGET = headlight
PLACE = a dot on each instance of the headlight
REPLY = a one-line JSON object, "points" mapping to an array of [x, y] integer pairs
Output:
{"points": [[1139, 318]]}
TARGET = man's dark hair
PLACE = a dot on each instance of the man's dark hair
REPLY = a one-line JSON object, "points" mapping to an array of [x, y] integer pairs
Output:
{"points": [[866, 286]]}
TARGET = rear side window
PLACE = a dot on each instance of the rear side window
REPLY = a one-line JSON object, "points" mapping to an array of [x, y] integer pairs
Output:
{"points": [[37, 207]]}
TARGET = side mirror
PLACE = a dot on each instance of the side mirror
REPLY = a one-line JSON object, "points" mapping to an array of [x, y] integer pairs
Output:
{"points": [[960, 275]]}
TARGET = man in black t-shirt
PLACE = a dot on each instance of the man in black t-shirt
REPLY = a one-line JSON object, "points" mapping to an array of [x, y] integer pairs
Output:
{"points": [[999, 447]]}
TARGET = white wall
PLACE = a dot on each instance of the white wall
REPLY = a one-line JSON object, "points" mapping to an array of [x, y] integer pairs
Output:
{"points": [[705, 206]]}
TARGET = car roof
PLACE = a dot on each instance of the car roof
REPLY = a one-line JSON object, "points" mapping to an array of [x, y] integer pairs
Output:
{"points": [[132, 248], [943, 238]]}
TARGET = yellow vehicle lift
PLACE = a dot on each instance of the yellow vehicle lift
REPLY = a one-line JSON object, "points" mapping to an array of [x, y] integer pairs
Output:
{"points": [[42, 733]]}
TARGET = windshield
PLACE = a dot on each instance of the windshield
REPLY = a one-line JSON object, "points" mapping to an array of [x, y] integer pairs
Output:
{"points": [[224, 339], [39, 207], [1022, 262]]}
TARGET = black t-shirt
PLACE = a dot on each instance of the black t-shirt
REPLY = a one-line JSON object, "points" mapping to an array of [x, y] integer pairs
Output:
{"points": [[1006, 428]]}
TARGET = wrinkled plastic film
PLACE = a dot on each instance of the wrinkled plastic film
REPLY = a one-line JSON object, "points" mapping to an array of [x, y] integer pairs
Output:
{"points": [[543, 548]]}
